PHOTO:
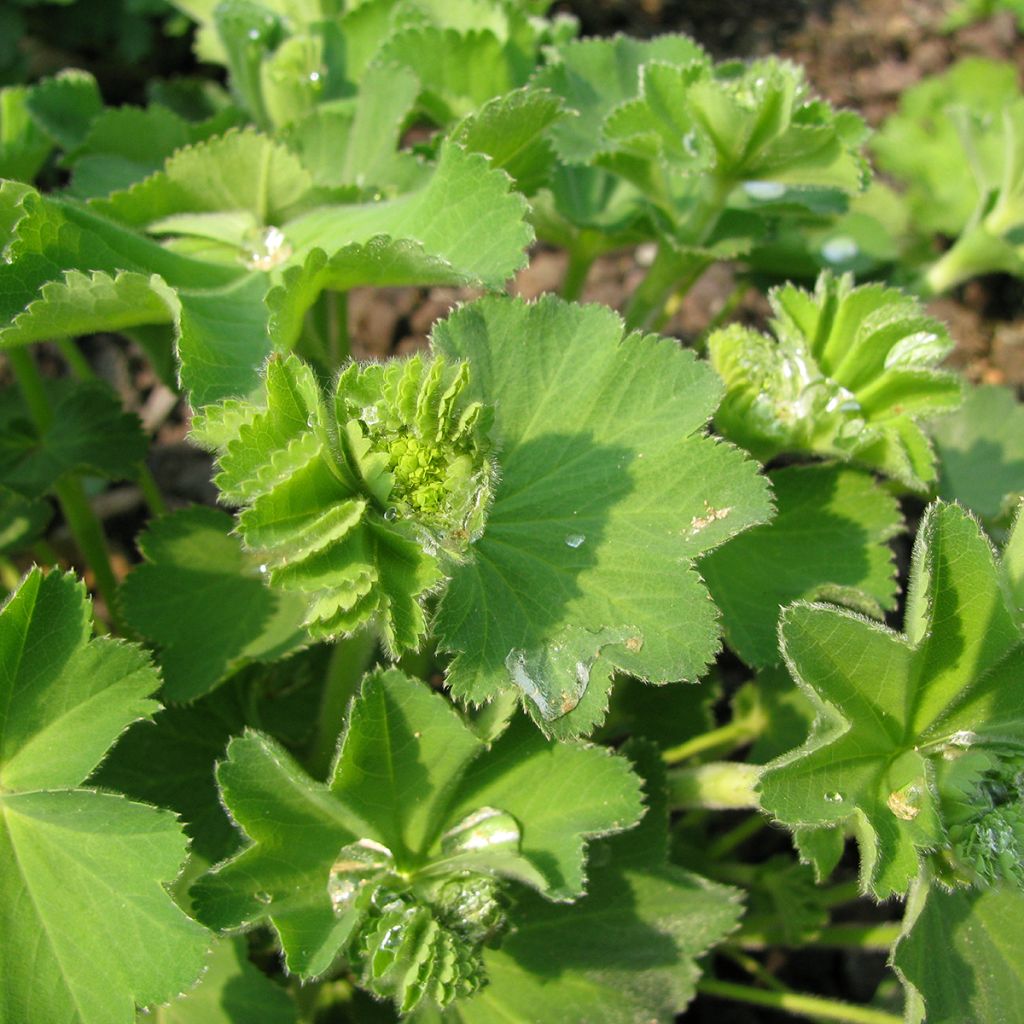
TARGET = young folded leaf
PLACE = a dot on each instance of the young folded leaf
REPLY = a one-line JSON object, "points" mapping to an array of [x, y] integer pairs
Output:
{"points": [[849, 373], [406, 879], [919, 736], [361, 500], [80, 869]]}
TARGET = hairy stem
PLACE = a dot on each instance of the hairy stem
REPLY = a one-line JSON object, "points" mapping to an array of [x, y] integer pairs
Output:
{"points": [[350, 659], [797, 1003], [718, 786], [71, 496]]}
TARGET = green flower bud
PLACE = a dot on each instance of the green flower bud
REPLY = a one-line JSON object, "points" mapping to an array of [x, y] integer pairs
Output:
{"points": [[364, 499]]}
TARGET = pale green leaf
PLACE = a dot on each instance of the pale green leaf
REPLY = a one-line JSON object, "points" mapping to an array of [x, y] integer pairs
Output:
{"points": [[609, 490], [849, 372], [204, 604], [893, 709], [513, 130], [65, 106], [829, 539]]}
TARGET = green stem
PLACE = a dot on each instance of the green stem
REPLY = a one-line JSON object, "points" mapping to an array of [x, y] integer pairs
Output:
{"points": [[797, 1003], [76, 361], [754, 968], [976, 251], [718, 786], [580, 262], [81, 369], [837, 895], [349, 660], [71, 496], [339, 347], [736, 733], [879, 937], [674, 272], [728, 841]]}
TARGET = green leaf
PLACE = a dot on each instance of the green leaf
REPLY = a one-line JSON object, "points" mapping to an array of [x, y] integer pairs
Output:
{"points": [[232, 991], [850, 372], [80, 870], [981, 453], [958, 953], [609, 491], [202, 601], [357, 500], [240, 171], [593, 76], [65, 106], [359, 145], [126, 144], [923, 144], [896, 713], [465, 214], [411, 821], [829, 539], [626, 952], [24, 147], [513, 130], [90, 433]]}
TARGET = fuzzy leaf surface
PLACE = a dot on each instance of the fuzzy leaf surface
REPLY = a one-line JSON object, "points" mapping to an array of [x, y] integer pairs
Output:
{"points": [[609, 491], [889, 705], [407, 767], [82, 872], [958, 954], [626, 953], [202, 601], [829, 539]]}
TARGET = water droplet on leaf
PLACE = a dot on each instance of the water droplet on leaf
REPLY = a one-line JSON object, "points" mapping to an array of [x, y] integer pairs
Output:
{"points": [[263, 897], [840, 249], [575, 540], [485, 829], [834, 798], [764, 191]]}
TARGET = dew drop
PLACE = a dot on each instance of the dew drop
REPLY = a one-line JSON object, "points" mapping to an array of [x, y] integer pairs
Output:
{"points": [[484, 829], [314, 76], [370, 415], [254, 34], [263, 897], [905, 803], [690, 143], [575, 540], [267, 249], [834, 798], [263, 568], [391, 513], [764, 190], [841, 249]]}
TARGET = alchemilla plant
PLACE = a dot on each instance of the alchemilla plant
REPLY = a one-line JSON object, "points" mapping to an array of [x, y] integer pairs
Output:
{"points": [[429, 717]]}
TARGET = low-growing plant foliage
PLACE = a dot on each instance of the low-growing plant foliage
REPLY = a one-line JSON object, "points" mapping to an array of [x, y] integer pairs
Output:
{"points": [[426, 720]]}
